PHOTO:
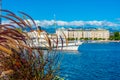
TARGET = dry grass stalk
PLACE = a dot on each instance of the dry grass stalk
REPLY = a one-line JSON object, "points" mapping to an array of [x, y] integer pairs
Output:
{"points": [[17, 59]]}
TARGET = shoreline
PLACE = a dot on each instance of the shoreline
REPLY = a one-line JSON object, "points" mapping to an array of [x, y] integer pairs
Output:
{"points": [[75, 47], [105, 41]]}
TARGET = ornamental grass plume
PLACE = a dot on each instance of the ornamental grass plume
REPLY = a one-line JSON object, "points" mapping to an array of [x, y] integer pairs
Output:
{"points": [[18, 59]]}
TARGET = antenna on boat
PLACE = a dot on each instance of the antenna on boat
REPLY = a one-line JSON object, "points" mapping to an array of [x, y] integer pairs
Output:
{"points": [[54, 21]]}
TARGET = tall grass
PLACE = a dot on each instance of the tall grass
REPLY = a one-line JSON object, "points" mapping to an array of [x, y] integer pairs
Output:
{"points": [[20, 61]]}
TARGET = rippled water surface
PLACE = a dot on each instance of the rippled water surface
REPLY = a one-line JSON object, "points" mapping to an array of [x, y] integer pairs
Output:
{"points": [[94, 61]]}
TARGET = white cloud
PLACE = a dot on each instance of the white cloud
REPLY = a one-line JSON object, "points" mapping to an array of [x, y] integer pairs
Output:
{"points": [[95, 23], [61, 23], [106, 23], [48, 23], [76, 23]]}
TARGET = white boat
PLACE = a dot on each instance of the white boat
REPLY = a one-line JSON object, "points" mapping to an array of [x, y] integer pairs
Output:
{"points": [[72, 46]]}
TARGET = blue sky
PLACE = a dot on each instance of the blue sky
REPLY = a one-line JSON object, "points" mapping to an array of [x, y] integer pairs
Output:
{"points": [[68, 10]]}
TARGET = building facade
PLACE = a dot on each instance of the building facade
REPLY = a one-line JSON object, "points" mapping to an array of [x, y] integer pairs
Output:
{"points": [[76, 33]]}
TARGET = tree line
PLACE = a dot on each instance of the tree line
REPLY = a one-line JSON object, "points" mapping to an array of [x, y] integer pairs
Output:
{"points": [[115, 36]]}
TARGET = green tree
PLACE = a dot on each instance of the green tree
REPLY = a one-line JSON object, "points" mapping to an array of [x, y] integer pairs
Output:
{"points": [[86, 38], [111, 38], [116, 36], [100, 39], [95, 39], [81, 38]]}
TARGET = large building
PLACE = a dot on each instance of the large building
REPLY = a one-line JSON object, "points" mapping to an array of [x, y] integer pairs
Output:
{"points": [[77, 33]]}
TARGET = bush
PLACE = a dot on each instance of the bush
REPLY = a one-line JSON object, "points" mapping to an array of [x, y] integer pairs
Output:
{"points": [[71, 39], [86, 38], [81, 38]]}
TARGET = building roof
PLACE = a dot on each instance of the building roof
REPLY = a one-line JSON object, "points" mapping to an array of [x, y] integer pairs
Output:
{"points": [[70, 29]]}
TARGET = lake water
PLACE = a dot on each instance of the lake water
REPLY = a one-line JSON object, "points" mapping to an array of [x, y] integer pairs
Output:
{"points": [[93, 61]]}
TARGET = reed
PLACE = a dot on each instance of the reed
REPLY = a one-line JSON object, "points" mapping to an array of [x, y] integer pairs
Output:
{"points": [[20, 61]]}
